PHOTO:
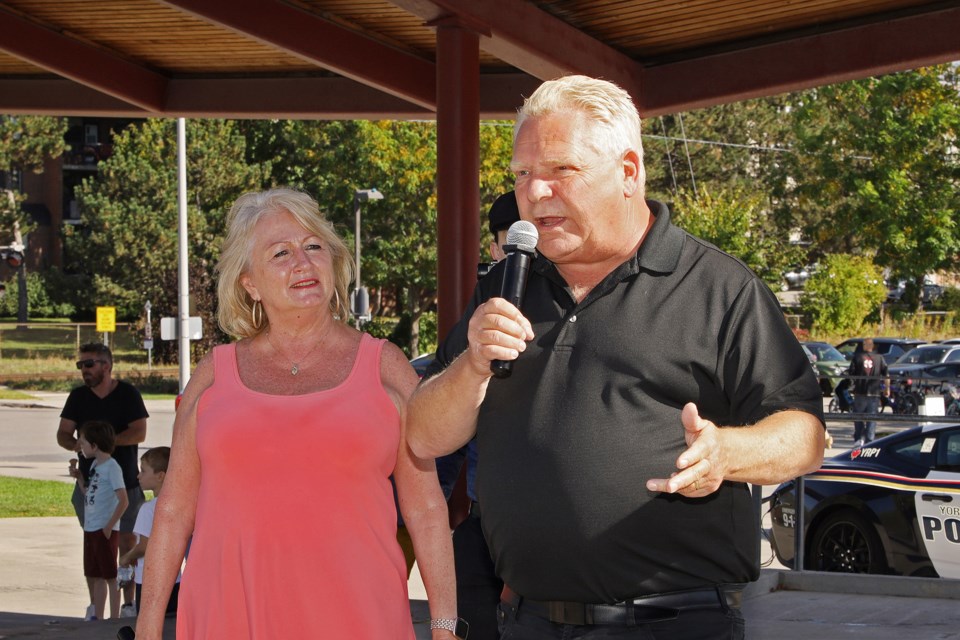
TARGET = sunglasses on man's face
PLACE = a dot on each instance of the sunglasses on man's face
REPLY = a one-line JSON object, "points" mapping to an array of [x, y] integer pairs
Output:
{"points": [[86, 364]]}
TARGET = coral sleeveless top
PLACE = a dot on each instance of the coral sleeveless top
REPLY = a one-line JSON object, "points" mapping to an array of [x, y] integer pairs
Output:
{"points": [[296, 525]]}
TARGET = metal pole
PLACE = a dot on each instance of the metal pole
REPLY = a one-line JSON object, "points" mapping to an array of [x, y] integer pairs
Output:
{"points": [[798, 531], [148, 335], [183, 280], [356, 244]]}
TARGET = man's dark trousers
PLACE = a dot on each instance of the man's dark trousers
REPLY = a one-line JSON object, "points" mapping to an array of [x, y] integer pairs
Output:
{"points": [[478, 588]]}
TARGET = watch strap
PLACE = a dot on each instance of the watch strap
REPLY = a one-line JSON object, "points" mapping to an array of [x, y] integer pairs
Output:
{"points": [[457, 626]]}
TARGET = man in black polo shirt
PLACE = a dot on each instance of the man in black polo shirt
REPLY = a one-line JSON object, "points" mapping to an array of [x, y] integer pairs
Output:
{"points": [[654, 377]]}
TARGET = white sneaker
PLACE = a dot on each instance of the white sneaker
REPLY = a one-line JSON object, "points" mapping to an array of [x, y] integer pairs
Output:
{"points": [[91, 614], [128, 611]]}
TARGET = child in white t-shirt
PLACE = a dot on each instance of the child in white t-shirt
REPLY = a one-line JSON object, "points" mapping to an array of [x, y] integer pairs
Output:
{"points": [[153, 470], [105, 500]]}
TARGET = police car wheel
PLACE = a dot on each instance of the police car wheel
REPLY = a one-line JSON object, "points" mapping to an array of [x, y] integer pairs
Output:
{"points": [[846, 543]]}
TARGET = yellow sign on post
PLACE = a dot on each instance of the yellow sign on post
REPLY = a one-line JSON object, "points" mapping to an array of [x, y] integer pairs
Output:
{"points": [[106, 319]]}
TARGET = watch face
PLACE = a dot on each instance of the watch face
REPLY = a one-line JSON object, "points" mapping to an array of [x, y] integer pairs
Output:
{"points": [[463, 627]]}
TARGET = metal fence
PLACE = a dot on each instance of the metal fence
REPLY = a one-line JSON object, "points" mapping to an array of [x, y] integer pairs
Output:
{"points": [[62, 340]]}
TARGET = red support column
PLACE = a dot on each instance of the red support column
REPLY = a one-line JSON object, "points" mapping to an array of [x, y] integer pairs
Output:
{"points": [[458, 170], [458, 191]]}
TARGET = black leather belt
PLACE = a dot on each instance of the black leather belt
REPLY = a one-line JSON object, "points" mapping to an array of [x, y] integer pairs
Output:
{"points": [[653, 608]]}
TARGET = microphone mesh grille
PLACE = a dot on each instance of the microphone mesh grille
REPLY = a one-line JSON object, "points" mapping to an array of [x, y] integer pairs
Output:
{"points": [[524, 235]]}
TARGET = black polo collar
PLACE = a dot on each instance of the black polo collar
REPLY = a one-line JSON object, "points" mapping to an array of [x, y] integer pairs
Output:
{"points": [[660, 250], [658, 253]]}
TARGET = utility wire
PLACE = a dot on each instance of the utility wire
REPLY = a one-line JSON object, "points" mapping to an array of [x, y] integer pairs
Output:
{"points": [[673, 176], [686, 150]]}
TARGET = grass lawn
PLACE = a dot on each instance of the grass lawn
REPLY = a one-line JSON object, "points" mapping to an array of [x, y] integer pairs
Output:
{"points": [[20, 498], [13, 394]]}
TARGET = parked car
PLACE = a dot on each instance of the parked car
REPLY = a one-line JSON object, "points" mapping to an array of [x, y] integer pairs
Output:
{"points": [[932, 292], [895, 289], [797, 277], [920, 357], [830, 364], [889, 348], [929, 292], [888, 507], [421, 363]]}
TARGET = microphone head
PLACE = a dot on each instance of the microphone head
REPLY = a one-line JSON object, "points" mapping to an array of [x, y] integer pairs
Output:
{"points": [[523, 235]]}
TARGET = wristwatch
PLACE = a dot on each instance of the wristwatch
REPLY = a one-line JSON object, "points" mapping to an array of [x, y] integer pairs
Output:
{"points": [[457, 626]]}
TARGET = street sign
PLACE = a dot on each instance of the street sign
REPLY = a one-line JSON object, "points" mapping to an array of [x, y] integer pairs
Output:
{"points": [[106, 319], [169, 328]]}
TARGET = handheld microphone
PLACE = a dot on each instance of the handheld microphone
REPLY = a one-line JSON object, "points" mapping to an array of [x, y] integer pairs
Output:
{"points": [[521, 243]]}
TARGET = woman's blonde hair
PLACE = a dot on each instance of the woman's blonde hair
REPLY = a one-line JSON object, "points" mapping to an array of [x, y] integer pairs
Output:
{"points": [[235, 306], [610, 108]]}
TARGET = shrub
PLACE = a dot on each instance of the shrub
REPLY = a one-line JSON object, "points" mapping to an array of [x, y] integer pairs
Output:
{"points": [[843, 293], [42, 301]]}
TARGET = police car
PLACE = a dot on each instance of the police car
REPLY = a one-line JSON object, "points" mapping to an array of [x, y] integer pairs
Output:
{"points": [[889, 507]]}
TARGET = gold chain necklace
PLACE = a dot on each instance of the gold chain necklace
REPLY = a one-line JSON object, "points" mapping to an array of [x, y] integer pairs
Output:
{"points": [[295, 368]]}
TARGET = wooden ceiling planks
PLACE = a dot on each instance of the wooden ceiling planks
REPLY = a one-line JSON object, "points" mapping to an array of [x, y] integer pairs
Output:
{"points": [[178, 44], [652, 27], [158, 36]]}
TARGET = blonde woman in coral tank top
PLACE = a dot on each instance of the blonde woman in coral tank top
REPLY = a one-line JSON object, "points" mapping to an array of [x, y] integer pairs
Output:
{"points": [[283, 449]]}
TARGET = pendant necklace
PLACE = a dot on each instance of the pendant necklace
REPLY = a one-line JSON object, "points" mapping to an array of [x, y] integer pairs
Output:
{"points": [[295, 368]]}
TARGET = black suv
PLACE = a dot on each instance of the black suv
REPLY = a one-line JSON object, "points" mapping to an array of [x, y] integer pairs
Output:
{"points": [[889, 348]]}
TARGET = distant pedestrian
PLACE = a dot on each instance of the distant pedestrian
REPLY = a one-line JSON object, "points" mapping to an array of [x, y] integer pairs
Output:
{"points": [[867, 370], [118, 403], [105, 500]]}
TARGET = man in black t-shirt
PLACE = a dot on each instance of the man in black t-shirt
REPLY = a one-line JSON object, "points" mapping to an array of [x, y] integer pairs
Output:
{"points": [[868, 370], [654, 379], [103, 398]]}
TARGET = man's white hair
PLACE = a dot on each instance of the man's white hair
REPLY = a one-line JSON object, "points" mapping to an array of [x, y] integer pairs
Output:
{"points": [[610, 108]]}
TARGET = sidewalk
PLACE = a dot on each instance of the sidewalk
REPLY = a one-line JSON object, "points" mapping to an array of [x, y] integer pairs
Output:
{"points": [[42, 596]]}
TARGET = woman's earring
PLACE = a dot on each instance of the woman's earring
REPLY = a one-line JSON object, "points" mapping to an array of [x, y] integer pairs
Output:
{"points": [[256, 314], [336, 309]]}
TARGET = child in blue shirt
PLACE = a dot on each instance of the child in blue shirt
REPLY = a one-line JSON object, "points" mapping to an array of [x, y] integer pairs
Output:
{"points": [[105, 500]]}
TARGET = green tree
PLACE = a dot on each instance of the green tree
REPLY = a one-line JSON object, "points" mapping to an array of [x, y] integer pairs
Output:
{"points": [[843, 292], [26, 142], [884, 155], [735, 220], [730, 156], [126, 247], [737, 145]]}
